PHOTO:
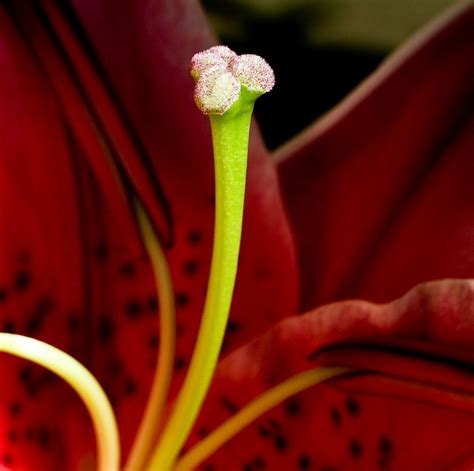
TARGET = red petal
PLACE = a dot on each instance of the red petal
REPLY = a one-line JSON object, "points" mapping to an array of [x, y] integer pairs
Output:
{"points": [[410, 407], [63, 206], [145, 48], [380, 191], [42, 258]]}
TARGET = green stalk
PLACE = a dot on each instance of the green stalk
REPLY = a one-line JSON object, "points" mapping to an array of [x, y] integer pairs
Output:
{"points": [[230, 136]]}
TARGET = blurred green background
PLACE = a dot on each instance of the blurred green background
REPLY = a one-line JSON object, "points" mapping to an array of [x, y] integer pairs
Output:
{"points": [[320, 49]]}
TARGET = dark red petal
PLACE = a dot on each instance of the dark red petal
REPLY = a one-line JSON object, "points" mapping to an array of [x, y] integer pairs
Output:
{"points": [[71, 248], [145, 48], [410, 406], [42, 259], [380, 191]]}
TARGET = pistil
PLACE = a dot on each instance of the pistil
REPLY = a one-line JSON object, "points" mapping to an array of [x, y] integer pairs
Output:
{"points": [[227, 87]]}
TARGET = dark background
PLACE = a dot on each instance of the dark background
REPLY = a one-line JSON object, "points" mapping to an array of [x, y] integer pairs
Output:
{"points": [[319, 49]]}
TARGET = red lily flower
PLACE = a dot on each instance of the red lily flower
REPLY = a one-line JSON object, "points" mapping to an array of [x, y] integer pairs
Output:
{"points": [[379, 200]]}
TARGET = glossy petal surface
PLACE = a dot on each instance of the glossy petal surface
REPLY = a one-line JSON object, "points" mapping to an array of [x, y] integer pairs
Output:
{"points": [[85, 124], [379, 191], [410, 406]]}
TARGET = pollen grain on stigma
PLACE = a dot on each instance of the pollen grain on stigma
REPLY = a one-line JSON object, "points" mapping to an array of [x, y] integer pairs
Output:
{"points": [[220, 74]]}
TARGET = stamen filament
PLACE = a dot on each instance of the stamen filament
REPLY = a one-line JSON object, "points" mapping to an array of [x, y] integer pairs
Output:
{"points": [[83, 382], [256, 408], [149, 427], [230, 134]]}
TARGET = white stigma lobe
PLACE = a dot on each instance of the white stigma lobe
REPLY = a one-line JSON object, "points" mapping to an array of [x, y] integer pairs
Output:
{"points": [[220, 73]]}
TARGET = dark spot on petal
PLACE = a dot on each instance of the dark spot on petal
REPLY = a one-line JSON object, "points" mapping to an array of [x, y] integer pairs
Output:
{"points": [[304, 462], [264, 432], [355, 448], [44, 306], [191, 267], [73, 322], [292, 407], [202, 432], [34, 324], [3, 295], [335, 416], [101, 252], [127, 270], [7, 460], [247, 467], [35, 320], [154, 341], [229, 405], [22, 280], [15, 409], [114, 367], [194, 237], [272, 379], [352, 406], [9, 327], [32, 384], [275, 425], [25, 375], [280, 442], [259, 462], [152, 304], [232, 327], [182, 299], [43, 438], [180, 363], [133, 309], [130, 388], [385, 451], [105, 329]]}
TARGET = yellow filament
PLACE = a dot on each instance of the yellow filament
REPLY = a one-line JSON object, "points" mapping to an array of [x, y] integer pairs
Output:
{"points": [[149, 427], [251, 412], [83, 382]]}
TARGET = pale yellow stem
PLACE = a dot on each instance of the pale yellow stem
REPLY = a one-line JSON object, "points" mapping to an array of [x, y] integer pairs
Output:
{"points": [[83, 382], [149, 427], [256, 408]]}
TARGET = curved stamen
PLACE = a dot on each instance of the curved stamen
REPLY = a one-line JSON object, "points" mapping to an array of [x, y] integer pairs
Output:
{"points": [[256, 408], [83, 382], [153, 415]]}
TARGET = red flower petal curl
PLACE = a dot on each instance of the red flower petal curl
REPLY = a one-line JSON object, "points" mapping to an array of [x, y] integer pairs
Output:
{"points": [[410, 405]]}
